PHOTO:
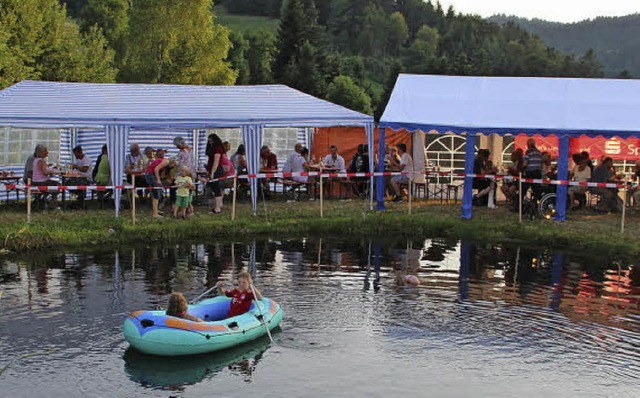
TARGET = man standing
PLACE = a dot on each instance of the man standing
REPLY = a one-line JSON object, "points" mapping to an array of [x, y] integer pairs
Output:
{"points": [[406, 165], [532, 168]]}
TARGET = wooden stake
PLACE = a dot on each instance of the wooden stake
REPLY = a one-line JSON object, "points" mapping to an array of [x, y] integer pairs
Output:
{"points": [[28, 200], [133, 199], [520, 197]]}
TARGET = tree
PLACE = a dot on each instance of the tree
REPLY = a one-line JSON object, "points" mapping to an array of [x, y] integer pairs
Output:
{"points": [[397, 33], [176, 41], [112, 17], [422, 51], [260, 56], [343, 91], [74, 7], [396, 69], [44, 44], [624, 74], [11, 69], [237, 57], [307, 76], [290, 38]]}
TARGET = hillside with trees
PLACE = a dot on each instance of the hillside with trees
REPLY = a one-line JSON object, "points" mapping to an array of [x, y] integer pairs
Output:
{"points": [[346, 51], [615, 41]]}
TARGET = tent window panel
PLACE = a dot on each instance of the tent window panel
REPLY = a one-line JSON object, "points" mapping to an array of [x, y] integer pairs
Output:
{"points": [[446, 151], [20, 143], [4, 139]]}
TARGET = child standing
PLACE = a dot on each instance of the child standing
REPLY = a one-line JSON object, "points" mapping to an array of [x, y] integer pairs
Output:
{"points": [[183, 194], [242, 295], [178, 308]]}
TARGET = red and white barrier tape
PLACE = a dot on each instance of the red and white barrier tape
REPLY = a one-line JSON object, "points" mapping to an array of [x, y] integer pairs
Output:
{"points": [[325, 175]]}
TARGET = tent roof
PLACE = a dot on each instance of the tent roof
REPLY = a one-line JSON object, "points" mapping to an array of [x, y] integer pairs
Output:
{"points": [[53, 104], [513, 105]]}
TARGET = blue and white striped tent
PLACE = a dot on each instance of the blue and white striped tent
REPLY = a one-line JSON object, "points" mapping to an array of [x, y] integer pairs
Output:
{"points": [[119, 112]]}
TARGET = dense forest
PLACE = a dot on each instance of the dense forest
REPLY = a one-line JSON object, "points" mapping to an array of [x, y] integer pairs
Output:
{"points": [[614, 40], [346, 51]]}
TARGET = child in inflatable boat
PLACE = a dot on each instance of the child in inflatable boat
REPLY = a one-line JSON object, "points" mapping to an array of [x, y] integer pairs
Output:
{"points": [[178, 307], [242, 295]]}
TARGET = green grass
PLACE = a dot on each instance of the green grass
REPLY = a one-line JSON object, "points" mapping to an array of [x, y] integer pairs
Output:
{"points": [[584, 231], [245, 23]]}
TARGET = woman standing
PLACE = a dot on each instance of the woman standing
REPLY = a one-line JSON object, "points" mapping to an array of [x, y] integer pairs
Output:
{"points": [[215, 151], [154, 181]]}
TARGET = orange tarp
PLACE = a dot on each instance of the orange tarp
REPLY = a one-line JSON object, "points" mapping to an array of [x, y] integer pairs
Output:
{"points": [[347, 140]]}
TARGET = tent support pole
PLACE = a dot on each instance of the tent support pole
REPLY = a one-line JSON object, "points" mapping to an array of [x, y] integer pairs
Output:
{"points": [[235, 193], [380, 179], [321, 195], [467, 189], [410, 193], [624, 204]]}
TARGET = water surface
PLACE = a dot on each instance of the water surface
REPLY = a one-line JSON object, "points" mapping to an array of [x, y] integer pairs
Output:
{"points": [[486, 320]]}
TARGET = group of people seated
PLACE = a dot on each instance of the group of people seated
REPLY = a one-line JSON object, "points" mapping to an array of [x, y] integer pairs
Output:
{"points": [[396, 159], [79, 172], [534, 164]]}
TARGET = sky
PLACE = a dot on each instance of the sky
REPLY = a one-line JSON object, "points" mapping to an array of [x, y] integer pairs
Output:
{"points": [[550, 10]]}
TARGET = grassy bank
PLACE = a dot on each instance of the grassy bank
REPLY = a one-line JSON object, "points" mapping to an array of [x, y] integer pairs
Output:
{"points": [[583, 231]]}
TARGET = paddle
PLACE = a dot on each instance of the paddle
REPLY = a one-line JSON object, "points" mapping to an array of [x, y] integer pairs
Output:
{"points": [[255, 299], [203, 294]]}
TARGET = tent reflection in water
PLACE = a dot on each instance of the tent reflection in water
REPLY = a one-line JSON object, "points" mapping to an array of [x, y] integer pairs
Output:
{"points": [[175, 372]]}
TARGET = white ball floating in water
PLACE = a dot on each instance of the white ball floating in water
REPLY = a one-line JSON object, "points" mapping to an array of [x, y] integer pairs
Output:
{"points": [[411, 280]]}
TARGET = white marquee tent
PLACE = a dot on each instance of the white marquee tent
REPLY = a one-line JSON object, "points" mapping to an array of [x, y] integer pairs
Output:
{"points": [[565, 107]]}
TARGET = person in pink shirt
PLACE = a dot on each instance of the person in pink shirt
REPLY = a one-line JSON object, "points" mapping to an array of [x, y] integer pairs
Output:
{"points": [[41, 172], [154, 181]]}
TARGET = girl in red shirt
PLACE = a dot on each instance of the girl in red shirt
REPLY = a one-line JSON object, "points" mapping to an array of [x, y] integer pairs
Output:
{"points": [[242, 295]]}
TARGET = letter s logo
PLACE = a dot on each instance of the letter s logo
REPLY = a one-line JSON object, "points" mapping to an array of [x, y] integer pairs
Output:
{"points": [[612, 147]]}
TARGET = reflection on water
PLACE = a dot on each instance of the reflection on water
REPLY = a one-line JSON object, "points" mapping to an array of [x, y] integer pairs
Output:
{"points": [[498, 319], [176, 373]]}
